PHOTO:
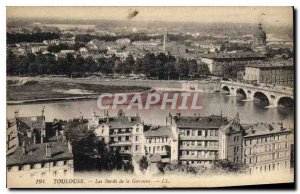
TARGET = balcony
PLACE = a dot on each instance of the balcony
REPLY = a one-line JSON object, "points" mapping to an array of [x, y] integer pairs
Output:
{"points": [[183, 137], [120, 143], [120, 134], [125, 151], [185, 147], [190, 157]]}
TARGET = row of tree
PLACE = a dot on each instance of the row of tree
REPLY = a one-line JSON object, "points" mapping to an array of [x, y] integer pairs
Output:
{"points": [[133, 37], [64, 46], [159, 66], [13, 38]]}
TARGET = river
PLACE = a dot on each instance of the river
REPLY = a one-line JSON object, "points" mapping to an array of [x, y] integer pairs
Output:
{"points": [[213, 103]]}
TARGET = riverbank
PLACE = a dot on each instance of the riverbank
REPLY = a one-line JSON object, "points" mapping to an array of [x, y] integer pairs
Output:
{"points": [[34, 90]]}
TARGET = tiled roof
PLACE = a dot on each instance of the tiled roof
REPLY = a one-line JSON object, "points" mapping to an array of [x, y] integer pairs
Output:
{"points": [[236, 55], [198, 121], [36, 153], [265, 129], [119, 122], [272, 64], [232, 126], [159, 131], [36, 122]]}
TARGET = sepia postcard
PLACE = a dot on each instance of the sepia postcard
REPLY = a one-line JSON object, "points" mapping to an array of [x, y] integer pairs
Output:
{"points": [[149, 97]]}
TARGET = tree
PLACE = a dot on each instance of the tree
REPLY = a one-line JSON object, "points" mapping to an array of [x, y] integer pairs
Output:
{"points": [[228, 167], [182, 68], [143, 163], [11, 62], [58, 48], [128, 65]]}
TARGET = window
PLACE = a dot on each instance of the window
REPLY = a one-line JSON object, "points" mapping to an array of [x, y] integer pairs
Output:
{"points": [[137, 130], [20, 168], [136, 148], [65, 162], [31, 166], [54, 173], [65, 172], [136, 138], [54, 163]]}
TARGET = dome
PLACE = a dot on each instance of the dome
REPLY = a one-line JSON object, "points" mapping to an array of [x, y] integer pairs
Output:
{"points": [[259, 32]]}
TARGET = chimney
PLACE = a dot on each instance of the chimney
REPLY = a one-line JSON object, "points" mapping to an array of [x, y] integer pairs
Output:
{"points": [[24, 148], [42, 138], [70, 147], [48, 151], [16, 113], [34, 138], [56, 134]]}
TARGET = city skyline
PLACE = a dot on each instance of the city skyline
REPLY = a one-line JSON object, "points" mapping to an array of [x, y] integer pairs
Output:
{"points": [[267, 15]]}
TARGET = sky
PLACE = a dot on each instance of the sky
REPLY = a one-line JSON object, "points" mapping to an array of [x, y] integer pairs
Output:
{"points": [[266, 15]]}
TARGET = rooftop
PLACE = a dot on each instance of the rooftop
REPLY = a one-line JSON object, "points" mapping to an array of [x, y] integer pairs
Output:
{"points": [[198, 121], [159, 131], [121, 121], [236, 55], [265, 129], [35, 122], [36, 153], [272, 64], [232, 126]]}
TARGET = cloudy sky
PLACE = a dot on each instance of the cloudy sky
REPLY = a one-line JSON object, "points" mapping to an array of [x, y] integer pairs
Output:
{"points": [[267, 15]]}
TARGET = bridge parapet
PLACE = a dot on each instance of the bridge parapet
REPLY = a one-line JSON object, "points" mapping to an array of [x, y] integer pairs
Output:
{"points": [[277, 90]]}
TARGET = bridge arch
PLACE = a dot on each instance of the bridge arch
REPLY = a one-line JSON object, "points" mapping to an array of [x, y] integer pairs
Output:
{"points": [[285, 101], [225, 89], [262, 97], [241, 91]]}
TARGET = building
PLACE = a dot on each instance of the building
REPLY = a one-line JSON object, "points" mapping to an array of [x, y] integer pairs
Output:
{"points": [[123, 41], [198, 138], [121, 132], [133, 138], [231, 139], [267, 147], [276, 73], [24, 131], [259, 40], [53, 159], [161, 140], [220, 63]]}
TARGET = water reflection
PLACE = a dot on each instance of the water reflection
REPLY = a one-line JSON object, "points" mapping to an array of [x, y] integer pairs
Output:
{"points": [[215, 103]]}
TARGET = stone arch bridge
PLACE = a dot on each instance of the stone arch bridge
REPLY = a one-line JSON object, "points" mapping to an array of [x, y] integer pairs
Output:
{"points": [[273, 94]]}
